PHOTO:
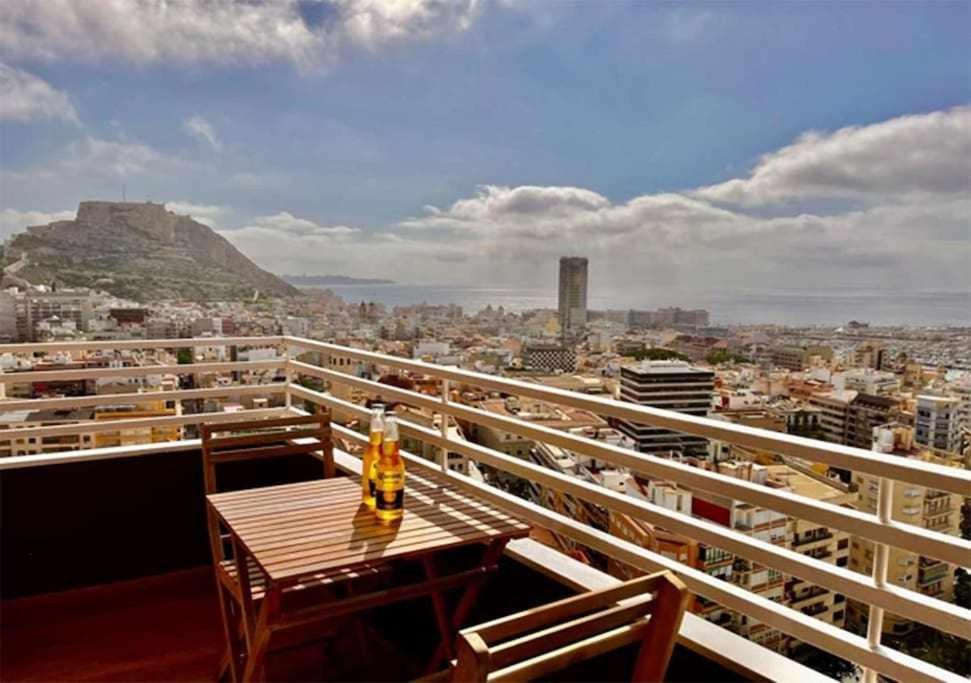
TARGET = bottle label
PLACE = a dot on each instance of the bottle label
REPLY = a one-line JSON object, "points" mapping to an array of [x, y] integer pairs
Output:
{"points": [[390, 500]]}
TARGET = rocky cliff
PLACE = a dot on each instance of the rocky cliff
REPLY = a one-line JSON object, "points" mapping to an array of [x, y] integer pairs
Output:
{"points": [[143, 252]]}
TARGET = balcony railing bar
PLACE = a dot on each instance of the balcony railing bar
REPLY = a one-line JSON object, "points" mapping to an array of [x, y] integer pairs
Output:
{"points": [[845, 457], [109, 452], [907, 536], [137, 371], [890, 662], [69, 402], [910, 604], [101, 426], [127, 344]]}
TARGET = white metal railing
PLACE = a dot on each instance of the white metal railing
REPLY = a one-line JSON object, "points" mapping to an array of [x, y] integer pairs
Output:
{"points": [[879, 528]]}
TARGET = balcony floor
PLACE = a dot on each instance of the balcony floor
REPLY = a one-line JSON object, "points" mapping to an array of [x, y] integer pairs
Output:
{"points": [[167, 628]]}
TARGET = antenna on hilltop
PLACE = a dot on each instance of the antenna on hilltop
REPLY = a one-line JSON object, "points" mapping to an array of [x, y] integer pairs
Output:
{"points": [[124, 198]]}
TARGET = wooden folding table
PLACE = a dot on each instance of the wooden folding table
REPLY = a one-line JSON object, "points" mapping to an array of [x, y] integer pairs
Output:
{"points": [[320, 529]]}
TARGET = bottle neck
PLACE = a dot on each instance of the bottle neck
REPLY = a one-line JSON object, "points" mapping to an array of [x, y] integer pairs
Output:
{"points": [[390, 451]]}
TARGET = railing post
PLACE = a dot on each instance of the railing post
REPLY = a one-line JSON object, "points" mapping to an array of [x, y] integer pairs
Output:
{"points": [[443, 425], [287, 373], [881, 554]]}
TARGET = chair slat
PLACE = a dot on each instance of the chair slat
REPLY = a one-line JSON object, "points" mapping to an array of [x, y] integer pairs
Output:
{"points": [[264, 424], [505, 627], [553, 637], [238, 455], [565, 633], [564, 657], [258, 438]]}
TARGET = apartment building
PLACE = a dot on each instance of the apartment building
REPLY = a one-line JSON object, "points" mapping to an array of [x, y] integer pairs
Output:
{"points": [[864, 414], [572, 301], [549, 357], [672, 385], [870, 354], [809, 538], [819, 542], [39, 445], [37, 306], [798, 358], [935, 510], [530, 410], [937, 423]]}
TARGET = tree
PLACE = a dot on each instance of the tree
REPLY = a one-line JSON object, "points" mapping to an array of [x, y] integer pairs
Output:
{"points": [[946, 651], [184, 356], [829, 664], [657, 353], [719, 356], [962, 588]]}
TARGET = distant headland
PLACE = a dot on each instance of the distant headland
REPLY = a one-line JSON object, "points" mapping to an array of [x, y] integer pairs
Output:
{"points": [[323, 280]]}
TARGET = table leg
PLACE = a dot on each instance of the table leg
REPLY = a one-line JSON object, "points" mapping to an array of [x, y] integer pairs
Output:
{"points": [[269, 614], [441, 613], [233, 654], [490, 557], [241, 557]]}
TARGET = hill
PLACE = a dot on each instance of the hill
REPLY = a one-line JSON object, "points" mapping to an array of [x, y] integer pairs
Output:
{"points": [[143, 252]]}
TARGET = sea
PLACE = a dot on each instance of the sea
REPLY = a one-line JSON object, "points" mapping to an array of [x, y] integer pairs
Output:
{"points": [[780, 307]]}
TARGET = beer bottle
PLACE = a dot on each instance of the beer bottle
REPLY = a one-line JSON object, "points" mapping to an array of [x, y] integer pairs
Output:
{"points": [[389, 479], [371, 454]]}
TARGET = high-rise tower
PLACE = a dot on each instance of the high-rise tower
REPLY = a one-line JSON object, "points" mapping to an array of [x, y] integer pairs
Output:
{"points": [[573, 295]]}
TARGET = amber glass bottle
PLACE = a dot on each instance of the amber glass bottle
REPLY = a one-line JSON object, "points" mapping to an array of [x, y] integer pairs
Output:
{"points": [[371, 454], [389, 478]]}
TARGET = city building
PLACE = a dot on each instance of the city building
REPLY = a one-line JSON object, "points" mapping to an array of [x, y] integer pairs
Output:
{"points": [[67, 304], [870, 354], [672, 385], [938, 423], [798, 358], [667, 317], [573, 295], [935, 510], [549, 357]]}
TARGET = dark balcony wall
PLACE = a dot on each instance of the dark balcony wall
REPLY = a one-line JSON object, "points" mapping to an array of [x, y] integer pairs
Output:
{"points": [[75, 525]]}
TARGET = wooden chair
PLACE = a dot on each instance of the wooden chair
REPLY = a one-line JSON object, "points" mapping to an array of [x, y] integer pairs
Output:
{"points": [[552, 637], [229, 442]]}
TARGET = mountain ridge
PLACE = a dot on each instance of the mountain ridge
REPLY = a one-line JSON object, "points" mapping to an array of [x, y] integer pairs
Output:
{"points": [[141, 251]]}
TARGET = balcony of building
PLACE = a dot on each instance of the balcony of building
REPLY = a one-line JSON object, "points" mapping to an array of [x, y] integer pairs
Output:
{"points": [[105, 556], [804, 541]]}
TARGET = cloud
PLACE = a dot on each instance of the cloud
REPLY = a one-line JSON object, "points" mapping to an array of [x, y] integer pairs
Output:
{"points": [[906, 228], [905, 157], [12, 222], [25, 98], [301, 227], [221, 31], [207, 214], [197, 127], [92, 167]]}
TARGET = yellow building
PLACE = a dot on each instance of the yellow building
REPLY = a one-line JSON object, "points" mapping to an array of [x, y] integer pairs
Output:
{"points": [[136, 435], [938, 511]]}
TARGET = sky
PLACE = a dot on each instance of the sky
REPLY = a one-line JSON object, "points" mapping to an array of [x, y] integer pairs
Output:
{"points": [[681, 147]]}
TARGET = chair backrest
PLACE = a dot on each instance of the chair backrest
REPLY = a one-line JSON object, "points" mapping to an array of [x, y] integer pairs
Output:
{"points": [[553, 637], [258, 439]]}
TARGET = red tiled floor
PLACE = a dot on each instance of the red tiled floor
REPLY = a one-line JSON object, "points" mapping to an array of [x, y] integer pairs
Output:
{"points": [[164, 628]]}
